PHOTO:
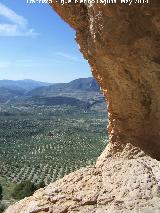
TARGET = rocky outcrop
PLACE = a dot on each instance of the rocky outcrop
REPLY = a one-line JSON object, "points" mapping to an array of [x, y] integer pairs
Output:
{"points": [[114, 185], [121, 44]]}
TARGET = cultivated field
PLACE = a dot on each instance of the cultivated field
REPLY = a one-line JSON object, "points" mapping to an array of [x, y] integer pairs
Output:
{"points": [[47, 142]]}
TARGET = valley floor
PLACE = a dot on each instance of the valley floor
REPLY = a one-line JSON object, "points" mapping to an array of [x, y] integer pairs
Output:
{"points": [[44, 143]]}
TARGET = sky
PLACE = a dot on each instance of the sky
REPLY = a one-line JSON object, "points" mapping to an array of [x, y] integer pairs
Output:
{"points": [[35, 43]]}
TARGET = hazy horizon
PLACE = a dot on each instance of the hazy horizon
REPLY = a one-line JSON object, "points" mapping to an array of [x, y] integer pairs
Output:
{"points": [[44, 81]]}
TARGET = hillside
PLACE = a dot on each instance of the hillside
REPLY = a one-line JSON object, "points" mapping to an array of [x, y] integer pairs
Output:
{"points": [[76, 86], [52, 101], [83, 92], [7, 94], [26, 84]]}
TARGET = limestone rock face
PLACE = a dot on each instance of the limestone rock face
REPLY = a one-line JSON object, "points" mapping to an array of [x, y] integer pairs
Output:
{"points": [[116, 185], [122, 46]]}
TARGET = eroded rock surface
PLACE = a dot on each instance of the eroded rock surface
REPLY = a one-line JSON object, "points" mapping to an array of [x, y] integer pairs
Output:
{"points": [[116, 185], [121, 44]]}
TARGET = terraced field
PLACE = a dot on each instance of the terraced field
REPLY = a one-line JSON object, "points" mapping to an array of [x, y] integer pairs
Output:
{"points": [[47, 142]]}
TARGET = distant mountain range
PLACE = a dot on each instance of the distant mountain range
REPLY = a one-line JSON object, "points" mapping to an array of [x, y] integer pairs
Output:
{"points": [[7, 94], [23, 85], [78, 85], [83, 92]]}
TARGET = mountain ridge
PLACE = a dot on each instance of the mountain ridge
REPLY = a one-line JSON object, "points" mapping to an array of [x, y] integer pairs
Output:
{"points": [[82, 92], [81, 84], [26, 84]]}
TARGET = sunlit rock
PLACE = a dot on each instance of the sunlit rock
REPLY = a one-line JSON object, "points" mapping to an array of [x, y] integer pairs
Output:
{"points": [[121, 44]]}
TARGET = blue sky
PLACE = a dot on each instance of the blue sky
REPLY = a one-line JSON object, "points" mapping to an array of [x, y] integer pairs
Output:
{"points": [[35, 43]]}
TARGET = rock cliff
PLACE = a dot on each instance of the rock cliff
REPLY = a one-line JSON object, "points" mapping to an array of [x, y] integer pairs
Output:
{"points": [[121, 44]]}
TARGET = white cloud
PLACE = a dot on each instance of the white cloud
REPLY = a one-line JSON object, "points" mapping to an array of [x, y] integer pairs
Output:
{"points": [[18, 25], [68, 56], [4, 65], [24, 61]]}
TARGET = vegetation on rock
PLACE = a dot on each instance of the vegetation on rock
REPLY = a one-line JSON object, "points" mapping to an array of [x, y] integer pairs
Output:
{"points": [[23, 189]]}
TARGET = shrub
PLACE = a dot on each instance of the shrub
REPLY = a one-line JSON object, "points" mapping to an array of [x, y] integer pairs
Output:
{"points": [[1, 192], [23, 189], [2, 207], [41, 184]]}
